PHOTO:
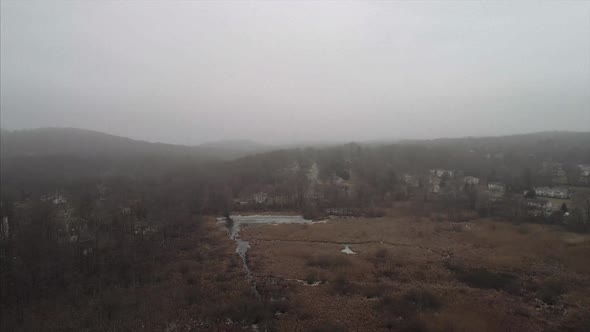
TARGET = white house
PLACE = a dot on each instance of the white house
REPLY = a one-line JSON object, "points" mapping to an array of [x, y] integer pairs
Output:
{"points": [[552, 192], [538, 207], [260, 198], [584, 170], [440, 172], [411, 180], [497, 187], [472, 180]]}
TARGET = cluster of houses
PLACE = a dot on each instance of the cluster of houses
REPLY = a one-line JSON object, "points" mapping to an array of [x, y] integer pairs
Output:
{"points": [[538, 207], [577, 174], [584, 178], [554, 169], [437, 179], [496, 191], [72, 229], [411, 180], [553, 192], [261, 198], [56, 199]]}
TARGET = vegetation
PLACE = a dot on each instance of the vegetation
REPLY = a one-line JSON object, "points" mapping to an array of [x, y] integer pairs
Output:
{"points": [[127, 240]]}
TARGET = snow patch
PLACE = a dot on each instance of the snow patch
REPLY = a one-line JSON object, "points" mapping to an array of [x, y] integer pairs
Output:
{"points": [[348, 251]]}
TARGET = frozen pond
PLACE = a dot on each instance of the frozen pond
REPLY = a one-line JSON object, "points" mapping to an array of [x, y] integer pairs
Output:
{"points": [[239, 220]]}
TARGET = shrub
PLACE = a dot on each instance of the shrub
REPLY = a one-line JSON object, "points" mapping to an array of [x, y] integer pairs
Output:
{"points": [[229, 223], [281, 306], [412, 301], [374, 213], [342, 286], [481, 278], [184, 268], [413, 325], [248, 311], [382, 253], [311, 213], [420, 300], [311, 278], [193, 296], [191, 279], [523, 229], [328, 327], [328, 261], [550, 291], [387, 271], [372, 292]]}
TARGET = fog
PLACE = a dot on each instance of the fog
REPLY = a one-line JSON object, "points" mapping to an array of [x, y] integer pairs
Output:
{"points": [[190, 72]]}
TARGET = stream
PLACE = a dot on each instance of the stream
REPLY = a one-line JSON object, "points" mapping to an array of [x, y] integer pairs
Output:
{"points": [[243, 246]]}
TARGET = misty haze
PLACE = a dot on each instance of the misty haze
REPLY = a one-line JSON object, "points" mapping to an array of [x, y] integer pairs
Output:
{"points": [[294, 166]]}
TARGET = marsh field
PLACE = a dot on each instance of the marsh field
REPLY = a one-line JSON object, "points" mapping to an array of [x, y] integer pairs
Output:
{"points": [[422, 274]]}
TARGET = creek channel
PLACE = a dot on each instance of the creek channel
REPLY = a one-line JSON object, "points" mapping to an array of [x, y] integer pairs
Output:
{"points": [[234, 225]]}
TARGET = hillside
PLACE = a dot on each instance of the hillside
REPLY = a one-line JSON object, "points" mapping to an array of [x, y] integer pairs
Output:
{"points": [[74, 142]]}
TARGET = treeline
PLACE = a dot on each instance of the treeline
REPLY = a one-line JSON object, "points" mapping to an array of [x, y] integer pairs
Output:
{"points": [[121, 215]]}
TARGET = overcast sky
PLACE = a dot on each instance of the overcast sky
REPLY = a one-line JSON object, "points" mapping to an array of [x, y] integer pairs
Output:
{"points": [[275, 72]]}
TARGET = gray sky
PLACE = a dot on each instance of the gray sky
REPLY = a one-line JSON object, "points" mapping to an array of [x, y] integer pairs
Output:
{"points": [[189, 72]]}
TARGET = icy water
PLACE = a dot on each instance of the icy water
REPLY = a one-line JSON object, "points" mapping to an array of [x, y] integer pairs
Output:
{"points": [[243, 246]]}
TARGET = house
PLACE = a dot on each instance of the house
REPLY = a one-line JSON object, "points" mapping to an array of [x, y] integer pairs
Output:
{"points": [[59, 199], [554, 169], [335, 179], [260, 198], [240, 202], [280, 200], [538, 206], [584, 170], [141, 228], [56, 199], [339, 211], [435, 184], [293, 168], [471, 180], [497, 187], [496, 191], [411, 180], [584, 174], [441, 172], [554, 192]]}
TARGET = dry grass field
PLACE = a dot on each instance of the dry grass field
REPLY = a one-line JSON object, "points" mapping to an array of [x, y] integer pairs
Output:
{"points": [[412, 274]]}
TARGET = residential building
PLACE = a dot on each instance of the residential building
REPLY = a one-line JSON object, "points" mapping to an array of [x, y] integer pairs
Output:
{"points": [[260, 198], [538, 206], [441, 172], [411, 180], [471, 180], [497, 187], [584, 170], [435, 184], [554, 192], [552, 168]]}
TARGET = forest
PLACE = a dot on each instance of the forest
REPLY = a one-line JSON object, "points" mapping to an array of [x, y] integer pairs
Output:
{"points": [[87, 238]]}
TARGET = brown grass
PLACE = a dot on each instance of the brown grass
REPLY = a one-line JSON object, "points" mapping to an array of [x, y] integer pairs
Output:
{"points": [[505, 271]]}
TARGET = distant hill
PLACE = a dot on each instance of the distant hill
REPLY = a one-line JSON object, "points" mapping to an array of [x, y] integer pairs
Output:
{"points": [[233, 148], [45, 142], [531, 142]]}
